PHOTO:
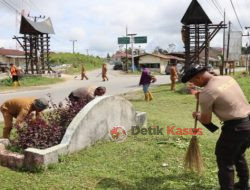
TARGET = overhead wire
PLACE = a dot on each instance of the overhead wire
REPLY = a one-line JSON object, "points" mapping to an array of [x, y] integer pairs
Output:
{"points": [[219, 6], [9, 6], [32, 4], [236, 14], [216, 6]]}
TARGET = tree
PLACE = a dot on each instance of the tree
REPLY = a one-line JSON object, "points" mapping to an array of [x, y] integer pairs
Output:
{"points": [[245, 50], [108, 56], [171, 47], [158, 49]]}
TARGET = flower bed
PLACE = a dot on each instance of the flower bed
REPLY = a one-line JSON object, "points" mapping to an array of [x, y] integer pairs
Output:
{"points": [[47, 131], [90, 124]]}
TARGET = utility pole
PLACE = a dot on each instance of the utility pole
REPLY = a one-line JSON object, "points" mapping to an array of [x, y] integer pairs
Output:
{"points": [[246, 58], [247, 55], [73, 42], [126, 51], [223, 49], [132, 49], [87, 51], [228, 41]]}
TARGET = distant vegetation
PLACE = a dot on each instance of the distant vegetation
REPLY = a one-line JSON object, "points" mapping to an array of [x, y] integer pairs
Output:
{"points": [[75, 61], [27, 81]]}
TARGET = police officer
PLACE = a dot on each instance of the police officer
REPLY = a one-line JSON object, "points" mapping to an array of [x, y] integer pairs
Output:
{"points": [[223, 96]]}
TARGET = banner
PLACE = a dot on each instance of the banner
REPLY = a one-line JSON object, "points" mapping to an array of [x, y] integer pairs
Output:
{"points": [[235, 44]]}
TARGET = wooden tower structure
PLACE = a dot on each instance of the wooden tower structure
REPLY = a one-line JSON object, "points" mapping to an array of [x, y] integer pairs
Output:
{"points": [[36, 44], [197, 32]]}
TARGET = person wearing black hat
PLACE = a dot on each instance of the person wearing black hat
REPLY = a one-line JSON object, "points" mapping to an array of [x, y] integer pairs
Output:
{"points": [[88, 93], [19, 108], [223, 96]]}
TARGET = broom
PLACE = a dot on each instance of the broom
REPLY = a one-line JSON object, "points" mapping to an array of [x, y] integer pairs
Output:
{"points": [[193, 159]]}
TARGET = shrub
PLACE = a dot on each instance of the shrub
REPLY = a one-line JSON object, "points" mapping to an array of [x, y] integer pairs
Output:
{"points": [[6, 82], [47, 131]]}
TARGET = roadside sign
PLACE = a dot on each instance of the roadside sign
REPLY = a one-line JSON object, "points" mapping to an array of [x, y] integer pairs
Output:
{"points": [[140, 39], [123, 40]]}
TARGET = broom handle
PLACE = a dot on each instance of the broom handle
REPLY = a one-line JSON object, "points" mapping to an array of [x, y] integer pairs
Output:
{"points": [[197, 109]]}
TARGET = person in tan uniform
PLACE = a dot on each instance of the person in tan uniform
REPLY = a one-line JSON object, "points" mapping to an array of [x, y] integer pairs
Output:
{"points": [[104, 72], [83, 73], [223, 96], [19, 108], [173, 76], [88, 93]]}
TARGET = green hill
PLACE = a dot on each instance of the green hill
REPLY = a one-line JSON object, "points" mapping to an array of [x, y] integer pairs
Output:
{"points": [[75, 61]]}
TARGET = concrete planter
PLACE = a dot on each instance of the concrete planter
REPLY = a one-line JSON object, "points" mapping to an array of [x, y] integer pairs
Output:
{"points": [[91, 124]]}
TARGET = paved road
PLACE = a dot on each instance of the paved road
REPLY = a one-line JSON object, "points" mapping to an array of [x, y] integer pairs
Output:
{"points": [[118, 83]]}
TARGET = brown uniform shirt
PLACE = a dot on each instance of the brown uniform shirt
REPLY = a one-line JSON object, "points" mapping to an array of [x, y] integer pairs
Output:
{"points": [[223, 96], [18, 107], [85, 92], [173, 72]]}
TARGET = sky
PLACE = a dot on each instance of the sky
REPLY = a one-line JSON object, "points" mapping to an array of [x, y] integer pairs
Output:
{"points": [[96, 24]]}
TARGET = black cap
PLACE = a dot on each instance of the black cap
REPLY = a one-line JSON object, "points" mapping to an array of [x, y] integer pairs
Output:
{"points": [[191, 72], [41, 103]]}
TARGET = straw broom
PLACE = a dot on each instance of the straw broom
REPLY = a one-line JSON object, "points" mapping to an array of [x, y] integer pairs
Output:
{"points": [[193, 158]]}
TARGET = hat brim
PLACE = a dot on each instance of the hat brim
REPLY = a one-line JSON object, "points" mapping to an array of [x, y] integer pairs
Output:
{"points": [[188, 76], [40, 105]]}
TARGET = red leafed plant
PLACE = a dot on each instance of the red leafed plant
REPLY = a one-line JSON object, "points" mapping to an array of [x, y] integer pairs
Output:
{"points": [[47, 131]]}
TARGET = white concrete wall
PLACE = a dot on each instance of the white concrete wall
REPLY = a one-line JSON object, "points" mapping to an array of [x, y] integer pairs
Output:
{"points": [[96, 120], [150, 59]]}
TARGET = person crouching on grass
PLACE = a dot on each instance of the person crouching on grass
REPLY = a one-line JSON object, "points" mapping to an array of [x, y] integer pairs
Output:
{"points": [[145, 80]]}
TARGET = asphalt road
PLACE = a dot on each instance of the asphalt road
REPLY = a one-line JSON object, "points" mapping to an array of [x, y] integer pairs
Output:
{"points": [[118, 83]]}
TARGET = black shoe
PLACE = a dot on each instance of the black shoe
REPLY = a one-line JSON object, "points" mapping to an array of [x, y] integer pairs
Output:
{"points": [[240, 186]]}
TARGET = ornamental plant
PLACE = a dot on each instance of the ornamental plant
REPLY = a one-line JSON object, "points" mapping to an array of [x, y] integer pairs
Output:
{"points": [[47, 131]]}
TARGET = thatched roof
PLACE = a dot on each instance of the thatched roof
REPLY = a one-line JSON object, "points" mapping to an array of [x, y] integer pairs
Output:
{"points": [[30, 27], [195, 15]]}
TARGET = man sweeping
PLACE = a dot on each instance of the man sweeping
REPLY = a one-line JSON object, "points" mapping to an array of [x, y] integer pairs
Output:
{"points": [[223, 96], [19, 108], [83, 73]]}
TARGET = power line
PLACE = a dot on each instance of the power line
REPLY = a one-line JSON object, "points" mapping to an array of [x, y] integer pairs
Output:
{"points": [[210, 3], [220, 7], [9, 6], [33, 5], [216, 6], [236, 14]]}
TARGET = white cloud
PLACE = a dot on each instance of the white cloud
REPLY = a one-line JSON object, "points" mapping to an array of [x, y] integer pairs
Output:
{"points": [[96, 24], [76, 33]]}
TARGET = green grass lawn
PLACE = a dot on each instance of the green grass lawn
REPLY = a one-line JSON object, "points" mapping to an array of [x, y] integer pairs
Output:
{"points": [[27, 81], [1, 128], [137, 162]]}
